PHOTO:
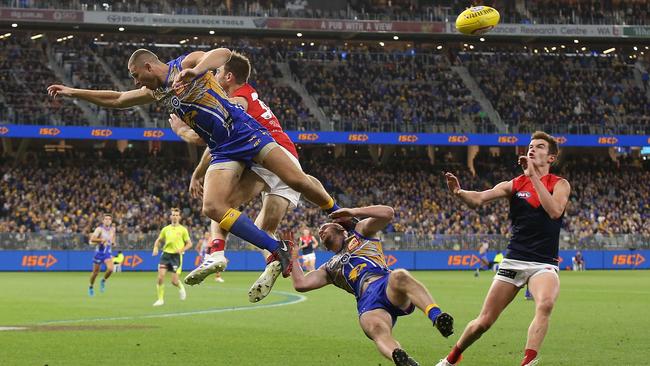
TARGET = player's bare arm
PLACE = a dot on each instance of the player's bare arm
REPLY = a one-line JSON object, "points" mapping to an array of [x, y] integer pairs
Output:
{"points": [[475, 199], [554, 204], [96, 238], [314, 242], [196, 182], [239, 100], [104, 98], [188, 246], [199, 62], [306, 282], [376, 218], [184, 131], [156, 244]]}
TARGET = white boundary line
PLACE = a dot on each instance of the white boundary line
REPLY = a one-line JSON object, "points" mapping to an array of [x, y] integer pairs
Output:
{"points": [[292, 299]]}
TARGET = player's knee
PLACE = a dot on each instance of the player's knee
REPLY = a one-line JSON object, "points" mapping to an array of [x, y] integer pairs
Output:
{"points": [[544, 306], [214, 210], [483, 323], [401, 277]]}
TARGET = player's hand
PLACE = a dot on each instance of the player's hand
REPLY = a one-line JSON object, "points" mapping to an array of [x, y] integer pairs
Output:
{"points": [[529, 167], [183, 79], [196, 187], [56, 90], [452, 183], [342, 214], [155, 252]]}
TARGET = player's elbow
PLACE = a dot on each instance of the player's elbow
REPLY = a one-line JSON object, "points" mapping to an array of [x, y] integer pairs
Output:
{"points": [[300, 287], [388, 213], [555, 215]]}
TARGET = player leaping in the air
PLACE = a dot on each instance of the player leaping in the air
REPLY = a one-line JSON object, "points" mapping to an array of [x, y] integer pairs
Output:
{"points": [[359, 267], [235, 139], [277, 196], [537, 203]]}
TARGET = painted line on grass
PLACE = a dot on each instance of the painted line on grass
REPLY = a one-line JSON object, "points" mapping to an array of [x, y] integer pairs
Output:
{"points": [[291, 300]]}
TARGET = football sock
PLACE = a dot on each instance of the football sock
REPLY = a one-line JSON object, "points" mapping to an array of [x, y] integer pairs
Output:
{"points": [[529, 355], [330, 207], [180, 286], [161, 291], [217, 245], [432, 311], [240, 225], [454, 355]]}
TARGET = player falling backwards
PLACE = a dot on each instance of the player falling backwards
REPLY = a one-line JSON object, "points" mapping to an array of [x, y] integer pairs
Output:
{"points": [[359, 267], [537, 203], [235, 139], [277, 196]]}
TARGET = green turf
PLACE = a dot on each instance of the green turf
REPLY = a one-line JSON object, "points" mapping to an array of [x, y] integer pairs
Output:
{"points": [[602, 318]]}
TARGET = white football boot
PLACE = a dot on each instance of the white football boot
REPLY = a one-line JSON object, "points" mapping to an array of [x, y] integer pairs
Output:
{"points": [[262, 287], [213, 263]]}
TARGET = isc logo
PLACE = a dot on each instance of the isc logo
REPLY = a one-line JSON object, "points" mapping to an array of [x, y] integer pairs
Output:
{"points": [[468, 260], [508, 140], [4, 130], [307, 137], [358, 137], [408, 138], [49, 131], [155, 134], [46, 261], [607, 140], [628, 259], [458, 139], [101, 133], [132, 260]]}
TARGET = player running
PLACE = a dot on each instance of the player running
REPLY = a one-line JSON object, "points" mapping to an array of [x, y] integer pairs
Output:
{"points": [[177, 241], [308, 244], [235, 139], [537, 204], [103, 238], [359, 267]]}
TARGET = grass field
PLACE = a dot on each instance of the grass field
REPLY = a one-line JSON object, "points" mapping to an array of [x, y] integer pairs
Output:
{"points": [[602, 318]]}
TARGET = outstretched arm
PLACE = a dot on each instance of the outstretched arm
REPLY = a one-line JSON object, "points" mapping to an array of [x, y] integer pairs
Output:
{"points": [[377, 218], [475, 199], [104, 98]]}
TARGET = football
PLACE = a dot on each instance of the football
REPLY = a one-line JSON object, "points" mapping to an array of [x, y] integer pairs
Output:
{"points": [[477, 20]]}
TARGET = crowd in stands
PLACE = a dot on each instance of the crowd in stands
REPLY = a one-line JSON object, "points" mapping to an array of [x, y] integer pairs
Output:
{"points": [[357, 86], [56, 194], [24, 77], [412, 95], [618, 12], [564, 94]]}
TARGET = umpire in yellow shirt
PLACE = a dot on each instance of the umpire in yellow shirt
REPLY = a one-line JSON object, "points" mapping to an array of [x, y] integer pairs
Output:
{"points": [[177, 241]]}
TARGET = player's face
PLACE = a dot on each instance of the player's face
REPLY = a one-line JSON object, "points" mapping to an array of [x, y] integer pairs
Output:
{"points": [[222, 78], [144, 76], [305, 232], [332, 236], [538, 152], [107, 221], [176, 217]]}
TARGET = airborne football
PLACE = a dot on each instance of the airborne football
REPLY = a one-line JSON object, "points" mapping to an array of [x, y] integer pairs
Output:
{"points": [[324, 182], [477, 20]]}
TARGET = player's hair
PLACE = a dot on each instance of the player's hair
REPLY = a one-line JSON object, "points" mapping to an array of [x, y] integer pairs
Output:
{"points": [[142, 55], [175, 209], [240, 67], [107, 214], [552, 142]]}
